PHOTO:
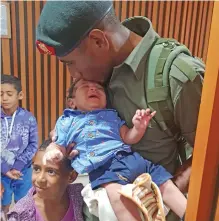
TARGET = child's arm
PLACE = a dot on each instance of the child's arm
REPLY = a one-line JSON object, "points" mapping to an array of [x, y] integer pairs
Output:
{"points": [[27, 155], [140, 121], [57, 150]]}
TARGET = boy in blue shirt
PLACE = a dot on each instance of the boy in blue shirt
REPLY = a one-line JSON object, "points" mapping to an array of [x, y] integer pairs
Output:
{"points": [[103, 142], [19, 142]]}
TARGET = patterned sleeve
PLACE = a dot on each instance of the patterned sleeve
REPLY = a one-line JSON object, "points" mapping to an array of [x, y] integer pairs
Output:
{"points": [[63, 132], [13, 217], [26, 156]]}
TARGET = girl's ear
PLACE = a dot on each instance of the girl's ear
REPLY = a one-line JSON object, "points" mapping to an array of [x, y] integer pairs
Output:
{"points": [[72, 176]]}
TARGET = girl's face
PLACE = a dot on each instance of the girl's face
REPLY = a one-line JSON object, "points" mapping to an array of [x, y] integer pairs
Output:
{"points": [[50, 180]]}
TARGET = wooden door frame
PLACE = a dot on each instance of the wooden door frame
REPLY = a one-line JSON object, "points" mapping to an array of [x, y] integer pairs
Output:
{"points": [[202, 189]]}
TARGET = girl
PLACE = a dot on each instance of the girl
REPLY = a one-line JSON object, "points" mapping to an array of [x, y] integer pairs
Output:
{"points": [[52, 197]]}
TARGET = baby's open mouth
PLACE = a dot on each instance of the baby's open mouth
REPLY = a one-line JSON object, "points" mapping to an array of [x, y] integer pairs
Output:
{"points": [[93, 96]]}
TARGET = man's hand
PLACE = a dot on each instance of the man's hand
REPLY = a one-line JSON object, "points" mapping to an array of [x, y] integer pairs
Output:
{"points": [[182, 176], [12, 176], [71, 153], [142, 118]]}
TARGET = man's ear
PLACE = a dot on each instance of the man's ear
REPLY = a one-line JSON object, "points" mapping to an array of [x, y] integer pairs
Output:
{"points": [[72, 176], [20, 95], [98, 40], [70, 103]]}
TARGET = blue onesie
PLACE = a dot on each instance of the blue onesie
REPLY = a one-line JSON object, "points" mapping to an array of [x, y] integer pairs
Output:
{"points": [[103, 154]]}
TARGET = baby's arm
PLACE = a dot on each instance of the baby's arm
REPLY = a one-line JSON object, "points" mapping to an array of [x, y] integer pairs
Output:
{"points": [[57, 150], [140, 121]]}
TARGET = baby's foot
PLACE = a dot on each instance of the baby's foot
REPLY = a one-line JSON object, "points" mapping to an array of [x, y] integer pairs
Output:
{"points": [[53, 154]]}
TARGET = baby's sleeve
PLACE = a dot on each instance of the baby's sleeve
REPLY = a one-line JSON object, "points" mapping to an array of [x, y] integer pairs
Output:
{"points": [[63, 130], [119, 120]]}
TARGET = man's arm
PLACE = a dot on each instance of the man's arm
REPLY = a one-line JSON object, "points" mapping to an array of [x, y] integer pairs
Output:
{"points": [[186, 98]]}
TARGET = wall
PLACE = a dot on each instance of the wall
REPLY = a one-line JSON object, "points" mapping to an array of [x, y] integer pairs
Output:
{"points": [[45, 80]]}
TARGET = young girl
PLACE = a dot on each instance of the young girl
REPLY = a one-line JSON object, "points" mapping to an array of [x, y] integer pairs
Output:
{"points": [[52, 196]]}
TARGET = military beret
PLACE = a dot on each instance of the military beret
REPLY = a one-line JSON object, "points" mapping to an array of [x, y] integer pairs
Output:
{"points": [[63, 24]]}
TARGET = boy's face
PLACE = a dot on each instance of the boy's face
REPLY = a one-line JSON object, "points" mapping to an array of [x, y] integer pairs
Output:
{"points": [[88, 95], [50, 180], [10, 96]]}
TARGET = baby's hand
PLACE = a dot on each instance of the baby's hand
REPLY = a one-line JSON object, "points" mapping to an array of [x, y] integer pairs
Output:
{"points": [[142, 118], [54, 154]]}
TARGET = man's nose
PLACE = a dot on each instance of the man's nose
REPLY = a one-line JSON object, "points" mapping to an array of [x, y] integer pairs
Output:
{"points": [[74, 72]]}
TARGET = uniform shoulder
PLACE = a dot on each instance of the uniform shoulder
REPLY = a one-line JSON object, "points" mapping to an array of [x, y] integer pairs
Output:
{"points": [[186, 68]]}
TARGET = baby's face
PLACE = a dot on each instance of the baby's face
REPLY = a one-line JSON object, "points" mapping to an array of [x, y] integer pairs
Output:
{"points": [[89, 95]]}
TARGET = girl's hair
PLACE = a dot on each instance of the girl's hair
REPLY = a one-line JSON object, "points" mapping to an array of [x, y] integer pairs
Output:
{"points": [[66, 161]]}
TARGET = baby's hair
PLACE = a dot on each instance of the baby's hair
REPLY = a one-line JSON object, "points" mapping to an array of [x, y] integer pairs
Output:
{"points": [[72, 87], [9, 79], [66, 161]]}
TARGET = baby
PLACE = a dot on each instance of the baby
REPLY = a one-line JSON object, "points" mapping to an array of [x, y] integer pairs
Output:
{"points": [[103, 141]]}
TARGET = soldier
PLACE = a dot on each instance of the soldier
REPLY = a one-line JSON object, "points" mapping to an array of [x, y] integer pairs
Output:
{"points": [[140, 70]]}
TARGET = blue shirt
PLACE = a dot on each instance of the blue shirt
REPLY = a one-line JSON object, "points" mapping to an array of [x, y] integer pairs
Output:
{"points": [[19, 140], [96, 134]]}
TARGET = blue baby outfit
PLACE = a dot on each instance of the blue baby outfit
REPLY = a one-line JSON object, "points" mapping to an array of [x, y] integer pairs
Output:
{"points": [[103, 154], [96, 134]]}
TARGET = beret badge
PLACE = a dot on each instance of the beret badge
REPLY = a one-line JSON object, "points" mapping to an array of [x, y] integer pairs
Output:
{"points": [[45, 49]]}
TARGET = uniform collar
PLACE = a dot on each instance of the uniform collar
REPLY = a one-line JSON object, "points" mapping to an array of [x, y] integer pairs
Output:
{"points": [[143, 27]]}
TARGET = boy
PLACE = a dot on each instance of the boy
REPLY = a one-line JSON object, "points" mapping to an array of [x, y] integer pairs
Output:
{"points": [[19, 141], [103, 142]]}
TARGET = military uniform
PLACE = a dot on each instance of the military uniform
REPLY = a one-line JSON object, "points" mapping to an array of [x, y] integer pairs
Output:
{"points": [[127, 94]]}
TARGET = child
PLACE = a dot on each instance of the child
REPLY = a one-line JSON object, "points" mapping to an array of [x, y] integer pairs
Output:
{"points": [[103, 142], [19, 138], [52, 197]]}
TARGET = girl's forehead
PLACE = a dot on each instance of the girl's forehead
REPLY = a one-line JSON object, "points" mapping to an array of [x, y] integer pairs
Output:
{"points": [[38, 160]]}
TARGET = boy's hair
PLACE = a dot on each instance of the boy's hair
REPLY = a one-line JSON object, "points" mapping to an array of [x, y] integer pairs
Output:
{"points": [[9, 79], [66, 161]]}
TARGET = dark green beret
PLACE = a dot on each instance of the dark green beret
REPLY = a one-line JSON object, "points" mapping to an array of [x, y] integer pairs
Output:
{"points": [[63, 24]]}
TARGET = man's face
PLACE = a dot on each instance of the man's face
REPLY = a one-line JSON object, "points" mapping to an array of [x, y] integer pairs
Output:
{"points": [[9, 96], [89, 95], [91, 60]]}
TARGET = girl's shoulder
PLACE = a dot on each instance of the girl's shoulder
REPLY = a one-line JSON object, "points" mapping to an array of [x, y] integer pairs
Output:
{"points": [[24, 209], [74, 191]]}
